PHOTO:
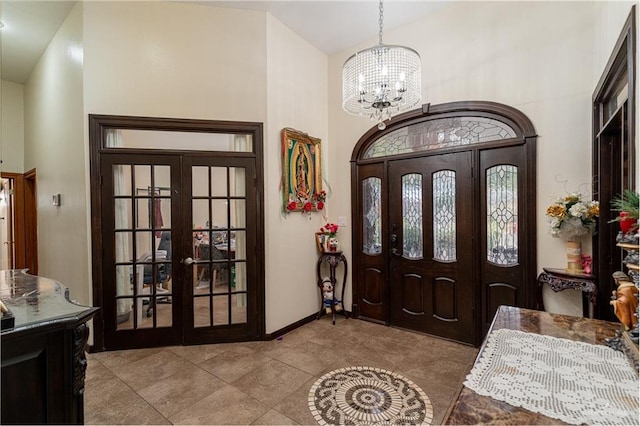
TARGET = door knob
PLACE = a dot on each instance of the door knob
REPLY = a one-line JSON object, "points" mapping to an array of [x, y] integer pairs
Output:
{"points": [[188, 261]]}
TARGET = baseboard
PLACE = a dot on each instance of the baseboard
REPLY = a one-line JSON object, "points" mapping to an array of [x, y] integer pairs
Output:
{"points": [[297, 324], [290, 327]]}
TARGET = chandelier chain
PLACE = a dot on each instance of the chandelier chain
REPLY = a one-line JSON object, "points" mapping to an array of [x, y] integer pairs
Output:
{"points": [[380, 22]]}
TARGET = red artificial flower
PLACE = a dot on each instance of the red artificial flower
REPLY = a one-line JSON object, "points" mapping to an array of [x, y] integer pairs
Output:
{"points": [[291, 206], [320, 205], [307, 206], [331, 228]]}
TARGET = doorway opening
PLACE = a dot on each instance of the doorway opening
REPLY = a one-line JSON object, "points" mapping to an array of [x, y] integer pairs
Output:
{"points": [[444, 219], [176, 211], [18, 221]]}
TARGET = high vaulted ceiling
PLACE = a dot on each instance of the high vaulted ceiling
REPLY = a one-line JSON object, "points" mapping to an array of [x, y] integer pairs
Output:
{"points": [[331, 26]]}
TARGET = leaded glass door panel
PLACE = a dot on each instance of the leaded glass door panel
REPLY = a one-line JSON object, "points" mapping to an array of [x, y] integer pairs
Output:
{"points": [[431, 224]]}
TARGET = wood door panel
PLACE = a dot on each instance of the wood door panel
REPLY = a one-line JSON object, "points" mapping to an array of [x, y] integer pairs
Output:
{"points": [[413, 294], [444, 305], [373, 286], [499, 294]]}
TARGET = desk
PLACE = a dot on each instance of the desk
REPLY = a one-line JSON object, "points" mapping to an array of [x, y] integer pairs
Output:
{"points": [[472, 408], [559, 280], [333, 259], [218, 259]]}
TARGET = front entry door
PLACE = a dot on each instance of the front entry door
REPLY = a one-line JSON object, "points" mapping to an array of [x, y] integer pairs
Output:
{"points": [[176, 229], [431, 244]]}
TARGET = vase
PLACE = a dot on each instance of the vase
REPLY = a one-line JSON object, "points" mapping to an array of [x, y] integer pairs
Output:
{"points": [[332, 244], [626, 224], [574, 257]]}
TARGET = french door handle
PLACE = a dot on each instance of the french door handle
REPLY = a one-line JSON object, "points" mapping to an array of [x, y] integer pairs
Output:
{"points": [[395, 252], [188, 261]]}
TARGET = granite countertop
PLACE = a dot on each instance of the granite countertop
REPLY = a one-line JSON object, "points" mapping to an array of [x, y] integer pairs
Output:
{"points": [[37, 301], [471, 408]]}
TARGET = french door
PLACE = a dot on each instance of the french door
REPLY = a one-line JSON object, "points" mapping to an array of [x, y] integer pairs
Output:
{"points": [[176, 230], [431, 217]]}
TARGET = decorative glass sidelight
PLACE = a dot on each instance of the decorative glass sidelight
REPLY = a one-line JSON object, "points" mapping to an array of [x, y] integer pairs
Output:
{"points": [[412, 240], [444, 215], [372, 216], [502, 215]]}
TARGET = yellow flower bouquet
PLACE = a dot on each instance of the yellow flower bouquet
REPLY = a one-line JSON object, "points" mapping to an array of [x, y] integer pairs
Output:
{"points": [[570, 217]]}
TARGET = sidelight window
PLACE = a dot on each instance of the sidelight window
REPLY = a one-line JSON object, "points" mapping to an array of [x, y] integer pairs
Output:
{"points": [[502, 215], [372, 217]]}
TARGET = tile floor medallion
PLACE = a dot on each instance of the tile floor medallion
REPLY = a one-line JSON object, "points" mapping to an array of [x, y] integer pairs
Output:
{"points": [[366, 395]]}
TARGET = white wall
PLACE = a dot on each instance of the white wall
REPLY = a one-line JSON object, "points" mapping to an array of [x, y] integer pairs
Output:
{"points": [[55, 147], [240, 65], [535, 56], [297, 98], [171, 59], [12, 136]]}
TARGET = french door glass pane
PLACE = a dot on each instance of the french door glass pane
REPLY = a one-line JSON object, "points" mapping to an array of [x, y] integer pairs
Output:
{"points": [[219, 181], [412, 216], [502, 214], [219, 220], [444, 215], [199, 181], [372, 216]]}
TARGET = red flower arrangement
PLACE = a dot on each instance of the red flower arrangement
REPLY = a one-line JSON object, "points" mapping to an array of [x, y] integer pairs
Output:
{"points": [[320, 198], [305, 205], [330, 228]]}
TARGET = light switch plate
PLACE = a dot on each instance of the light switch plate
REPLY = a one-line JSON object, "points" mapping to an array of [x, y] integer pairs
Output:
{"points": [[342, 221], [55, 200]]}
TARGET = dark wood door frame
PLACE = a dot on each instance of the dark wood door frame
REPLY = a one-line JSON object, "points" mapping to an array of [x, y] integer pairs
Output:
{"points": [[378, 167], [98, 125], [614, 156]]}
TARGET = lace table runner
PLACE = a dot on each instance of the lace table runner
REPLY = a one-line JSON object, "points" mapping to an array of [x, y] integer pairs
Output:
{"points": [[572, 381]]}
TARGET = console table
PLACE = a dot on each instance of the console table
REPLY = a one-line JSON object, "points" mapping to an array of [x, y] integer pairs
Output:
{"points": [[559, 280], [333, 259], [43, 351], [473, 408]]}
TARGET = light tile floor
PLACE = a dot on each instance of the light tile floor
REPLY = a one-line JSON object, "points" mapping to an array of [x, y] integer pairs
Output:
{"points": [[263, 383]]}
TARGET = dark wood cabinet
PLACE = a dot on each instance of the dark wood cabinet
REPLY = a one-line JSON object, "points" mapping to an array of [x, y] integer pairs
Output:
{"points": [[43, 354]]}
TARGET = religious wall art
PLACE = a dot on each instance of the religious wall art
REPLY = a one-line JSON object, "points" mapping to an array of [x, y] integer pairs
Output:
{"points": [[301, 172]]}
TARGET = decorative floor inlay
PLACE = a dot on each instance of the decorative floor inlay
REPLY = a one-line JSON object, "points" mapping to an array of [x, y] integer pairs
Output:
{"points": [[371, 396]]}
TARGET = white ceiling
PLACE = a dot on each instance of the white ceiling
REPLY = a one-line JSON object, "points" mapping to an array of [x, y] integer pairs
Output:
{"points": [[329, 25]]}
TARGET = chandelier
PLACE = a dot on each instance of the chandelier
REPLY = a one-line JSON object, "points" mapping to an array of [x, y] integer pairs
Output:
{"points": [[381, 81]]}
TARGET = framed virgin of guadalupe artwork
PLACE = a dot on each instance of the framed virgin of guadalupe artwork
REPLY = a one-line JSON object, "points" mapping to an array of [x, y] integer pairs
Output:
{"points": [[301, 171]]}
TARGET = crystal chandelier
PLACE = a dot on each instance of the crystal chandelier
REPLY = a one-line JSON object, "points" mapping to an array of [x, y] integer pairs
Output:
{"points": [[381, 81]]}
